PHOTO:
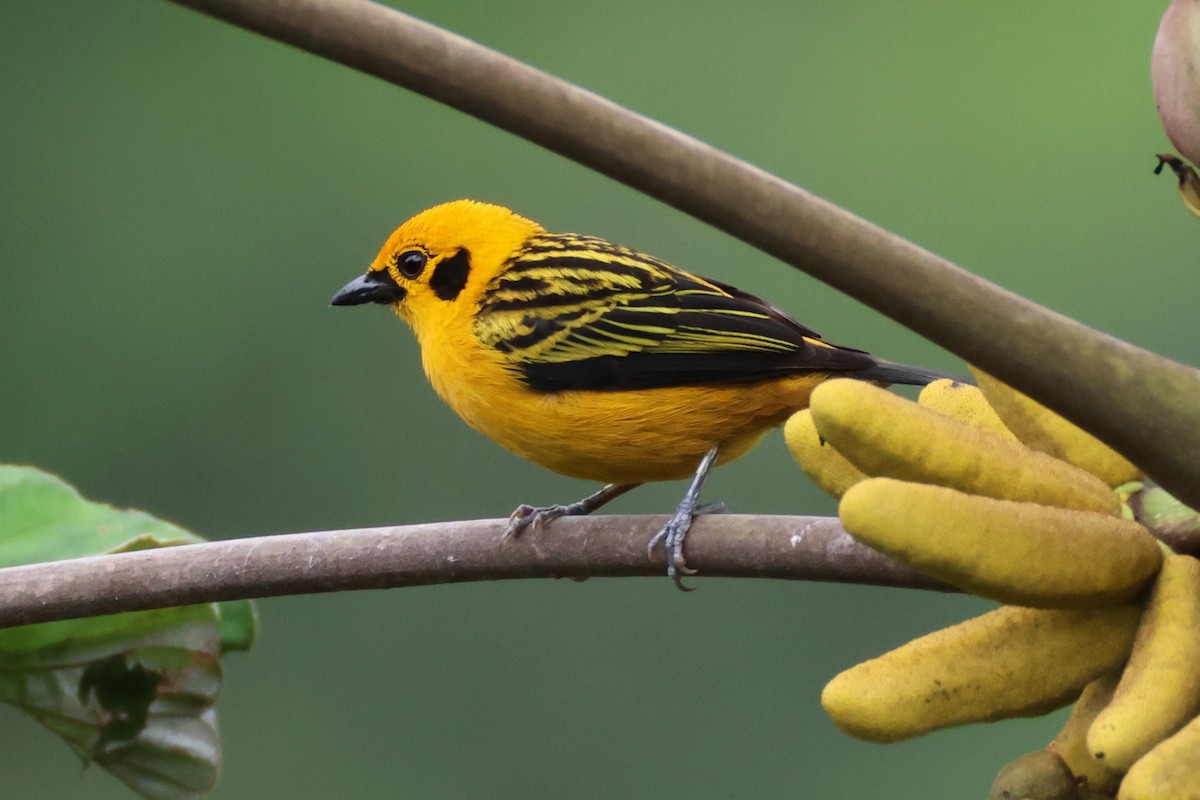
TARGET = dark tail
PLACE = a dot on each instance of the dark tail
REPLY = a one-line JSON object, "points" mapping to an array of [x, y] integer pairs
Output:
{"points": [[891, 372]]}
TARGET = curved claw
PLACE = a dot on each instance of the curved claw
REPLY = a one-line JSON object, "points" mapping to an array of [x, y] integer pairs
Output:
{"points": [[536, 517], [527, 516], [674, 532], [677, 570], [672, 535], [518, 521], [679, 584]]}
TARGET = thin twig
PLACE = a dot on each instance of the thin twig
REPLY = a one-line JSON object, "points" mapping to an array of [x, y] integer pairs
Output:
{"points": [[1141, 403], [725, 545]]}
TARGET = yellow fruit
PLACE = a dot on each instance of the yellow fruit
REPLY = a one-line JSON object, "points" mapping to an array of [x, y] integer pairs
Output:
{"points": [[1042, 429], [1040, 775], [966, 404], [885, 435], [1011, 662], [828, 468], [1020, 553], [1071, 742], [1171, 771], [1160, 687]]}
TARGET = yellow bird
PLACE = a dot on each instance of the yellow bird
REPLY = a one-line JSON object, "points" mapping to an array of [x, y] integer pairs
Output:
{"points": [[597, 361]]}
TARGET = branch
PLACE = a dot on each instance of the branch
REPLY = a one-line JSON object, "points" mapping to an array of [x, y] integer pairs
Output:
{"points": [[1141, 403], [725, 545]]}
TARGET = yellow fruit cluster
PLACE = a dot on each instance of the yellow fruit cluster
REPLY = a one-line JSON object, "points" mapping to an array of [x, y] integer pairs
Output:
{"points": [[991, 492]]}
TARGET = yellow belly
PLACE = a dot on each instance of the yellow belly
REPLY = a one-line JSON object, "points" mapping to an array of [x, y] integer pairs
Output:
{"points": [[643, 435], [620, 436]]}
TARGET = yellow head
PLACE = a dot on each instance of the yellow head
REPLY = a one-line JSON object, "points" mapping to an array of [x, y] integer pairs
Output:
{"points": [[440, 260]]}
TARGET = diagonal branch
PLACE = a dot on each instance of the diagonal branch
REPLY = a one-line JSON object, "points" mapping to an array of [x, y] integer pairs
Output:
{"points": [[725, 545], [1141, 403]]}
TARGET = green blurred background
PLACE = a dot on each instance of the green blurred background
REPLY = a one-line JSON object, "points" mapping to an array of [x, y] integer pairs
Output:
{"points": [[181, 198]]}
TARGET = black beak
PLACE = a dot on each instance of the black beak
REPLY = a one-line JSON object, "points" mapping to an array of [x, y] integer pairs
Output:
{"points": [[374, 287]]}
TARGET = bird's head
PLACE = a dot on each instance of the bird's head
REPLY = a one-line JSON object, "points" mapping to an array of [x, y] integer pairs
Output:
{"points": [[443, 256]]}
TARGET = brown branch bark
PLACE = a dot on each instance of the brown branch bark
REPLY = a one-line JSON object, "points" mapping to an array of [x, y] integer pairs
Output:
{"points": [[1141, 403], [725, 545]]}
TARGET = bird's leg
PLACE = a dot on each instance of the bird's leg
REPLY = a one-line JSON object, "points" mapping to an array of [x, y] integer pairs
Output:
{"points": [[673, 533], [536, 516]]}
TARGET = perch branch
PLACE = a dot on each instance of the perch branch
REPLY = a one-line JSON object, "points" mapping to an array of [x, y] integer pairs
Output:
{"points": [[726, 545], [1141, 403]]}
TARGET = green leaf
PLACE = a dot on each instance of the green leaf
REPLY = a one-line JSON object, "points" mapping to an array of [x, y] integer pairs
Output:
{"points": [[42, 518], [134, 693], [237, 622]]}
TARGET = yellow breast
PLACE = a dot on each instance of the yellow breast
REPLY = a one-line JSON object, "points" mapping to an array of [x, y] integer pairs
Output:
{"points": [[607, 436]]}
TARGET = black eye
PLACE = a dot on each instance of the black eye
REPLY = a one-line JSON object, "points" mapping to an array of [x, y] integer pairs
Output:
{"points": [[411, 263]]}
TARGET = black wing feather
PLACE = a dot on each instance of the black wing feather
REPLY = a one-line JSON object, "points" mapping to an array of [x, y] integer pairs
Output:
{"points": [[660, 328]]}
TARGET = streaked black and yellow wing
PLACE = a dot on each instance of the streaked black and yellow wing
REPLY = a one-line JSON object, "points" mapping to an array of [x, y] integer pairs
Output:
{"points": [[577, 312]]}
